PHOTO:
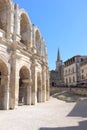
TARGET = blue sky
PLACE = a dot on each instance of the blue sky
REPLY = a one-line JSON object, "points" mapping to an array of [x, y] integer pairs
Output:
{"points": [[63, 24]]}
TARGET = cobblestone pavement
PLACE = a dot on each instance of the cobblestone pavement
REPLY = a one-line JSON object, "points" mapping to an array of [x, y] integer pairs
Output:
{"points": [[52, 115]]}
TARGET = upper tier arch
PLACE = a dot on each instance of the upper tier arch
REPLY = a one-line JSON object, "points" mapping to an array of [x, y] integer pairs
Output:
{"points": [[37, 34], [23, 12], [5, 5], [25, 27]]}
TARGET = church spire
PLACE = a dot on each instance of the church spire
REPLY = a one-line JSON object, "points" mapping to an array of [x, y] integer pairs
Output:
{"points": [[58, 55], [59, 61]]}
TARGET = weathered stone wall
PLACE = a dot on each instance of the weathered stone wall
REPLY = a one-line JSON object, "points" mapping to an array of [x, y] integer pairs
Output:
{"points": [[81, 91], [23, 56]]}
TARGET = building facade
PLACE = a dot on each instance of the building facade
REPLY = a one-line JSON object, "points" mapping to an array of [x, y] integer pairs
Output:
{"points": [[72, 70], [24, 75], [83, 73], [56, 76]]}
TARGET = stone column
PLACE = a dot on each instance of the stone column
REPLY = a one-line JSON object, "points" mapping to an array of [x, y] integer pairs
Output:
{"points": [[12, 19], [16, 94], [47, 86], [8, 18], [5, 84], [33, 40], [43, 84], [39, 91], [29, 38], [29, 93], [34, 85], [14, 91], [14, 84], [10, 22], [31, 44], [17, 24]]}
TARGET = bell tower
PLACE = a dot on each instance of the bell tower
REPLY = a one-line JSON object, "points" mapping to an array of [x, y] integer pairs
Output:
{"points": [[59, 61]]}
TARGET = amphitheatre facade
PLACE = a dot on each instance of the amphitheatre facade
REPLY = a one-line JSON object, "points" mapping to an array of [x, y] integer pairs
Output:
{"points": [[24, 74]]}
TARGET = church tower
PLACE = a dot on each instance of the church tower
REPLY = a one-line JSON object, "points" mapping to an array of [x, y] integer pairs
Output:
{"points": [[56, 76], [59, 61]]}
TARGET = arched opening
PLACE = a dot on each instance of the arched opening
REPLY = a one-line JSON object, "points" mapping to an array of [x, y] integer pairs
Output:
{"points": [[25, 30], [37, 36], [3, 15], [38, 87], [23, 85], [38, 42], [3, 83]]}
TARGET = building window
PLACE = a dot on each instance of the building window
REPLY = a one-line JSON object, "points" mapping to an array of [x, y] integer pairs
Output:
{"points": [[73, 79], [69, 79], [73, 70], [66, 81], [82, 76], [66, 72], [82, 71], [69, 71], [53, 84]]}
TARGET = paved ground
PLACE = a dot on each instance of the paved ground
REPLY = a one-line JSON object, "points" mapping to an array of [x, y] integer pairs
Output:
{"points": [[52, 115]]}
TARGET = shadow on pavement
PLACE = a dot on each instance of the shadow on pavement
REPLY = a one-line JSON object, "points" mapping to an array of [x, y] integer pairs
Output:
{"points": [[82, 126], [80, 109]]}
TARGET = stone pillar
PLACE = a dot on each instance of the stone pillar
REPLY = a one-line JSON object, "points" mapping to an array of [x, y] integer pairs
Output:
{"points": [[5, 84], [29, 93], [31, 45], [34, 85], [16, 89], [39, 90], [12, 19], [17, 24], [10, 22], [14, 84], [29, 38], [33, 40], [43, 84], [47, 86]]}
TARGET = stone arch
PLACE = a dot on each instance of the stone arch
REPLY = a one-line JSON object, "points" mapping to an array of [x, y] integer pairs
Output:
{"points": [[37, 35], [38, 41], [23, 85], [39, 87], [3, 84], [4, 7], [25, 28]]}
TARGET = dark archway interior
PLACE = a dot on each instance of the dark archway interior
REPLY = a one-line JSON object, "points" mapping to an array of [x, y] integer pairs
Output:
{"points": [[25, 30], [3, 82], [23, 83]]}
